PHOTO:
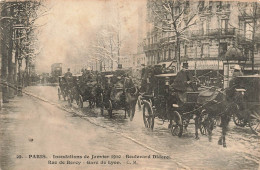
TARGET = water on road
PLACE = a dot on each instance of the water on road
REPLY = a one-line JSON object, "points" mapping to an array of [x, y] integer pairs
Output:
{"points": [[34, 127]]}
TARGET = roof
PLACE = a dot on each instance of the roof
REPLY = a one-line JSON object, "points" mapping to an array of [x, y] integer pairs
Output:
{"points": [[166, 75]]}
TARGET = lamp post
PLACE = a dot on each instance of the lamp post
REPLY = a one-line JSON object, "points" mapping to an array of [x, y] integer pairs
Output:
{"points": [[19, 93]]}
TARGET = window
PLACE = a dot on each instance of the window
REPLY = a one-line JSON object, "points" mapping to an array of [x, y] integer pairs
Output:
{"points": [[205, 50], [201, 5], [222, 49], [204, 27], [219, 6], [185, 50], [224, 26], [164, 56], [249, 30]]}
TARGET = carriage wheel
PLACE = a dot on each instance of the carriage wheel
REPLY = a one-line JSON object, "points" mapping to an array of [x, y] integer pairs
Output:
{"points": [[148, 115], [177, 125], [110, 108], [238, 121], [254, 122], [91, 102], [80, 102], [139, 102], [203, 129], [59, 93]]}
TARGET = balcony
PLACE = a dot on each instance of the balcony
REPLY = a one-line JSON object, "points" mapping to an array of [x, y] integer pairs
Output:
{"points": [[244, 39], [214, 32], [223, 9], [150, 47], [166, 40]]}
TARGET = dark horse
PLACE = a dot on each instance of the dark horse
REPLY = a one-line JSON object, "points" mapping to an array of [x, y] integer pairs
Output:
{"points": [[131, 96], [218, 107]]}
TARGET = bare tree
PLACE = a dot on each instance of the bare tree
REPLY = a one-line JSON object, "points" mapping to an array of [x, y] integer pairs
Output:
{"points": [[249, 14], [173, 17]]}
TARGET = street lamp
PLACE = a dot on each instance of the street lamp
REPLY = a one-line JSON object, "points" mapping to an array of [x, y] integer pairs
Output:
{"points": [[19, 93]]}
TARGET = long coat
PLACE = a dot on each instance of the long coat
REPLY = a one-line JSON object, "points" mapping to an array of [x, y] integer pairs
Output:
{"points": [[180, 82]]}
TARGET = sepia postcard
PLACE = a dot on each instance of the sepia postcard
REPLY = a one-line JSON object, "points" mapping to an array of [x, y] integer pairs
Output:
{"points": [[129, 84]]}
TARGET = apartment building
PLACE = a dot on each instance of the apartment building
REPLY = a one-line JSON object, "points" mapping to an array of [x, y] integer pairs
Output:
{"points": [[218, 26]]}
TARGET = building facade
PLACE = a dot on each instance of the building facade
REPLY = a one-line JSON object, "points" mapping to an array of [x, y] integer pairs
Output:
{"points": [[219, 26]]}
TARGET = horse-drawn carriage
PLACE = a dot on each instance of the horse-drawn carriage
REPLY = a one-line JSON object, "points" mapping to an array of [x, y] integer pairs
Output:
{"points": [[248, 113], [161, 102], [65, 87], [203, 104], [83, 90], [116, 91]]}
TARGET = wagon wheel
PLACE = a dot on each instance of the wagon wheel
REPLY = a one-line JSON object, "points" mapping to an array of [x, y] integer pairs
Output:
{"points": [[254, 122], [59, 93], [148, 115], [110, 108], [80, 102], [101, 104], [238, 120], [177, 126], [202, 123], [203, 129], [139, 102]]}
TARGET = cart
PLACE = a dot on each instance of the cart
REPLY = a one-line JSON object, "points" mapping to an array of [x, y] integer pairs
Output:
{"points": [[248, 113], [112, 93]]}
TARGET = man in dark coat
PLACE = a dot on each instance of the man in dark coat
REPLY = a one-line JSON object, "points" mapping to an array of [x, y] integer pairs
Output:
{"points": [[68, 74], [182, 82], [234, 83]]}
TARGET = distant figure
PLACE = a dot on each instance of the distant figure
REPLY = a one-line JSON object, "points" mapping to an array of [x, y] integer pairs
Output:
{"points": [[68, 74]]}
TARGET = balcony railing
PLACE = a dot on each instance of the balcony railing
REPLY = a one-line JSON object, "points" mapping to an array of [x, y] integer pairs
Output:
{"points": [[167, 39], [151, 47], [223, 8], [214, 32]]}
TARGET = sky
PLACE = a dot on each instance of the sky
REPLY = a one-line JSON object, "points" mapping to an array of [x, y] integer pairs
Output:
{"points": [[69, 24]]}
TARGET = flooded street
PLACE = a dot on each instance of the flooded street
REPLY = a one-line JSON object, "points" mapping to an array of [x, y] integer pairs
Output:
{"points": [[56, 132]]}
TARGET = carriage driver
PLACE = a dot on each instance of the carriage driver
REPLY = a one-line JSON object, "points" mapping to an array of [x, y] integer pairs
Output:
{"points": [[183, 83], [68, 74], [234, 83]]}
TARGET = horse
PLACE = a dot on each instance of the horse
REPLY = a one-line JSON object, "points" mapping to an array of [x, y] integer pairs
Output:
{"points": [[217, 106], [131, 96]]}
